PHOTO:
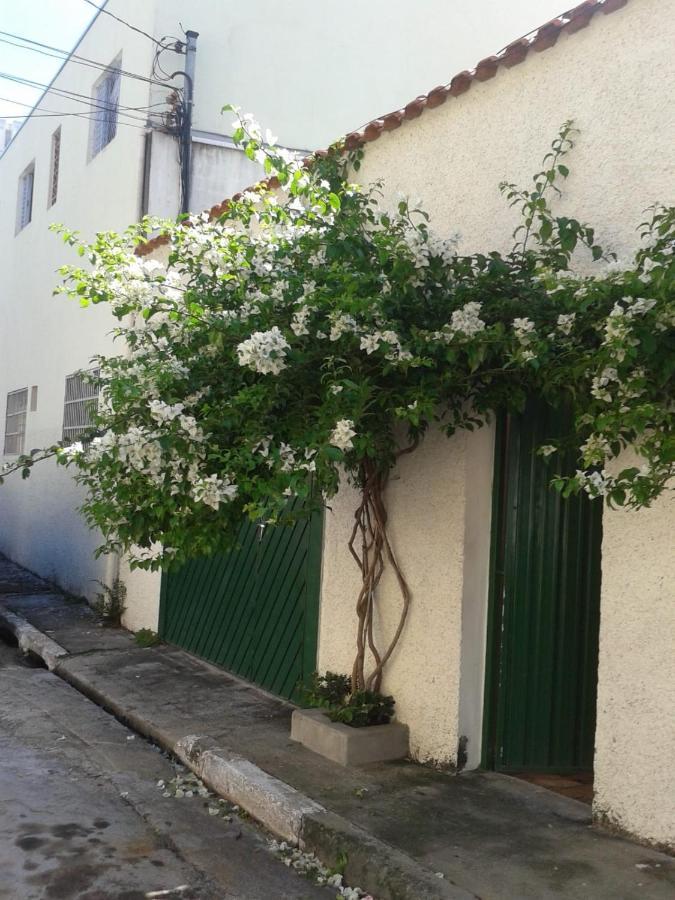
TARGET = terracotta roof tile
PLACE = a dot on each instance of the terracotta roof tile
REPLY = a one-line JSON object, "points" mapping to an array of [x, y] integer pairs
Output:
{"points": [[515, 53], [460, 83], [487, 68]]}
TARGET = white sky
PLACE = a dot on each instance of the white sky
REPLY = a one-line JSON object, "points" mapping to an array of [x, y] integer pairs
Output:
{"points": [[58, 23]]}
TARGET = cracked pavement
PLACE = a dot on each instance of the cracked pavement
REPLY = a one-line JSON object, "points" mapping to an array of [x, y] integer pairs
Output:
{"points": [[83, 818]]}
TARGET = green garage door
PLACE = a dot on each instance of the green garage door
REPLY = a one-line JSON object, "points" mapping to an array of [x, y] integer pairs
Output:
{"points": [[544, 609], [253, 611]]}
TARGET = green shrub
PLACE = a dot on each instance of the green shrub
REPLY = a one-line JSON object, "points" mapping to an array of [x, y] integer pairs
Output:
{"points": [[333, 692], [110, 603], [363, 708], [146, 637]]}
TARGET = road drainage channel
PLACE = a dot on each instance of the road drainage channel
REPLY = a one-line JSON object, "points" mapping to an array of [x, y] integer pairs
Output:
{"points": [[12, 653], [187, 785]]}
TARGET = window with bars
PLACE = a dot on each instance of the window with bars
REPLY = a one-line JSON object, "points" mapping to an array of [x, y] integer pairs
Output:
{"points": [[105, 106], [54, 168], [24, 208], [15, 422], [80, 404]]}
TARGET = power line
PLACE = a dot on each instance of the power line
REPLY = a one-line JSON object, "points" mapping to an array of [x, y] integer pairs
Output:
{"points": [[128, 24], [51, 113], [76, 97], [88, 118], [38, 47]]}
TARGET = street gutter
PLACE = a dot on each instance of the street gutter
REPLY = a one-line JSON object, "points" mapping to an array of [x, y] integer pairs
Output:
{"points": [[384, 871]]}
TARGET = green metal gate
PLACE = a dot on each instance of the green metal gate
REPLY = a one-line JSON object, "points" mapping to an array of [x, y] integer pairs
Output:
{"points": [[253, 611], [543, 621]]}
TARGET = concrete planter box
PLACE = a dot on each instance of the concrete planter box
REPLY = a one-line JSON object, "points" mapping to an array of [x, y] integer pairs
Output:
{"points": [[345, 745]]}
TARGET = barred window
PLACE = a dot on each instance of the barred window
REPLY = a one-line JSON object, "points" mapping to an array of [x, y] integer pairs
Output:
{"points": [[80, 404], [54, 171], [24, 207], [15, 422], [105, 106]]}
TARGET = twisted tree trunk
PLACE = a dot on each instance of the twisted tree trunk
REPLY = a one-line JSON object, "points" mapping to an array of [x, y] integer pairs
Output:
{"points": [[370, 531]]}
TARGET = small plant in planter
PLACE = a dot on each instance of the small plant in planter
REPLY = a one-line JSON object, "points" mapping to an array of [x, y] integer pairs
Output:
{"points": [[333, 693], [327, 691], [364, 708], [371, 735]]}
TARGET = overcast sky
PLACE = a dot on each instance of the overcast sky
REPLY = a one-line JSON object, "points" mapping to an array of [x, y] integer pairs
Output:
{"points": [[58, 23]]}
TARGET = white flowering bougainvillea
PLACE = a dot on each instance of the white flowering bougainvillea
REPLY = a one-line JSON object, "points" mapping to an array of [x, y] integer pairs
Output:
{"points": [[308, 331]]}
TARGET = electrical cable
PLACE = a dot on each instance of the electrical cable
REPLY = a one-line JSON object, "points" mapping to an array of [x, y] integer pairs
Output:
{"points": [[102, 9], [75, 97], [38, 47], [52, 113]]}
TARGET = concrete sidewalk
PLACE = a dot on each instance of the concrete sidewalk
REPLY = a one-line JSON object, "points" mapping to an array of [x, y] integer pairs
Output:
{"points": [[408, 832]]}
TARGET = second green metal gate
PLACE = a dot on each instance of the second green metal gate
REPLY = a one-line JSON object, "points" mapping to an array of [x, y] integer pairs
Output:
{"points": [[544, 610], [253, 611]]}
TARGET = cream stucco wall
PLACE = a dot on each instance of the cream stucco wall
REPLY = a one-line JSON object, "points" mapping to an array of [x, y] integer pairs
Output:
{"points": [[428, 499], [635, 737], [143, 594], [616, 80]]}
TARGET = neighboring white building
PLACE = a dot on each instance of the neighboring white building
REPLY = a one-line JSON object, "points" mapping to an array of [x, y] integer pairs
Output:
{"points": [[307, 70]]}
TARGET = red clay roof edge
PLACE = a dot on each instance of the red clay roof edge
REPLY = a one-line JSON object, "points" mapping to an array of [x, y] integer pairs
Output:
{"points": [[513, 54]]}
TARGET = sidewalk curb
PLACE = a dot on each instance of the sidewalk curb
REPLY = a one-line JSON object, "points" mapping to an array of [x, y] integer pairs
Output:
{"points": [[31, 640], [275, 804], [386, 872]]}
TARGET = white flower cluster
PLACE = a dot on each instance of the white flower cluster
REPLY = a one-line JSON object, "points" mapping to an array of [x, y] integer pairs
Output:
{"points": [[619, 322], [300, 319], [595, 484], [288, 457], [599, 385], [595, 449], [264, 351], [465, 321], [370, 342], [342, 434], [212, 490], [341, 324], [565, 322], [134, 282], [525, 333], [445, 248], [163, 412]]}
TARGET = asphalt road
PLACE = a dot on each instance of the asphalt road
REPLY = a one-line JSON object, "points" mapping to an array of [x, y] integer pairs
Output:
{"points": [[81, 815]]}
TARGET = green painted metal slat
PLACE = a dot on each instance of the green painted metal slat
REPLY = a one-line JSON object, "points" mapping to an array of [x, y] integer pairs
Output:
{"points": [[544, 608], [254, 610]]}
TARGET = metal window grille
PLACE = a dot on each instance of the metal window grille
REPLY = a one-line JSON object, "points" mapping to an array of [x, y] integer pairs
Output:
{"points": [[24, 212], [105, 108], [15, 422], [80, 405], [54, 173]]}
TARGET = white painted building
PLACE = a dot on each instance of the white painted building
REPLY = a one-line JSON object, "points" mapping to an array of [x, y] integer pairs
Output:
{"points": [[311, 80], [96, 154], [609, 67]]}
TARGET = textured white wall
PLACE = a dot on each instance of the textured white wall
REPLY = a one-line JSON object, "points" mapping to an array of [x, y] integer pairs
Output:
{"points": [[427, 499], [616, 79], [635, 737], [143, 594]]}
